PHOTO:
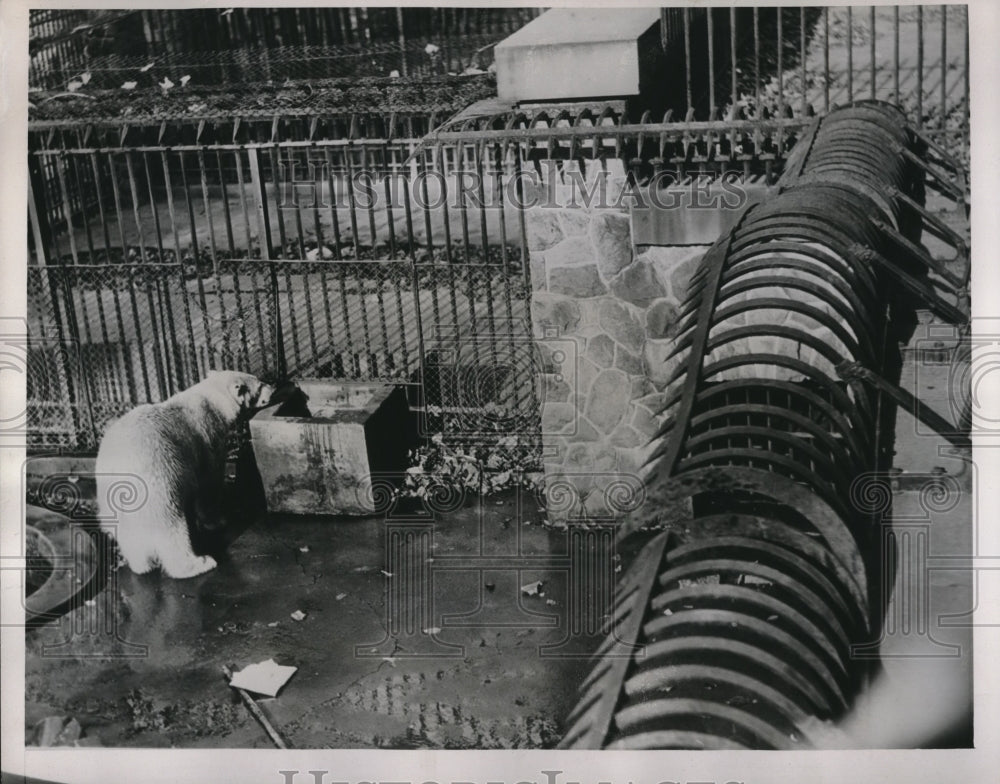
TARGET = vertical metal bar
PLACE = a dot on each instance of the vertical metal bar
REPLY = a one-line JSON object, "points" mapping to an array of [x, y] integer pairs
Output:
{"points": [[163, 297], [168, 184], [871, 45], [444, 204], [498, 196], [291, 182], [241, 183], [802, 60], [850, 53], [267, 254], [348, 332], [127, 357], [156, 342], [370, 209], [756, 62], [388, 177], [219, 288], [224, 195], [317, 198], [425, 206], [965, 78], [943, 116], [334, 217], [687, 55], [711, 63], [67, 209], [351, 198], [86, 218], [920, 66], [733, 93], [136, 332], [826, 58], [895, 54], [275, 156], [99, 192], [781, 76]]}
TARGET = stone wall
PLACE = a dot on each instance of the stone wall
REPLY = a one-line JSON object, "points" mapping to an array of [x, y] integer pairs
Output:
{"points": [[605, 319]]}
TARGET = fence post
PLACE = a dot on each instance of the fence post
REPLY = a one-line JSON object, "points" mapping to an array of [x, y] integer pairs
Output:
{"points": [[267, 253]]}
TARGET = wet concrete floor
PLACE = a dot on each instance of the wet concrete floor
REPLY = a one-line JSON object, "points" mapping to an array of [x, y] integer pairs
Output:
{"points": [[417, 634]]}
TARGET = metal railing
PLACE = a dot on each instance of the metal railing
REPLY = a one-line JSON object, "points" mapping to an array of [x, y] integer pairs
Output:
{"points": [[297, 258]]}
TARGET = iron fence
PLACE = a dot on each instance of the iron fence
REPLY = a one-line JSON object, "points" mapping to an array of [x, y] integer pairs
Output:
{"points": [[287, 259], [391, 244], [769, 62], [245, 45]]}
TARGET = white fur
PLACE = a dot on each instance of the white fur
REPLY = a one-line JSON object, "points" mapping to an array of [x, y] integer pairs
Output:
{"points": [[177, 448]]}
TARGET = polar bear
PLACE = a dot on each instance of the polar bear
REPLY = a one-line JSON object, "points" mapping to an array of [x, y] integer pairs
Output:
{"points": [[177, 449]]}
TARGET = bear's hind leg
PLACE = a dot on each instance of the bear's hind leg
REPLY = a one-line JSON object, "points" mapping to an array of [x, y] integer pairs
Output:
{"points": [[174, 551], [132, 546]]}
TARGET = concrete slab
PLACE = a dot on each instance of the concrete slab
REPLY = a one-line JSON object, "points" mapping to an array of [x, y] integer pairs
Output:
{"points": [[569, 53], [318, 455]]}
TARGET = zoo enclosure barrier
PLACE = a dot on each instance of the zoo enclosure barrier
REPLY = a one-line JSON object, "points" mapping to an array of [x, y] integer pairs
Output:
{"points": [[166, 249], [245, 45]]}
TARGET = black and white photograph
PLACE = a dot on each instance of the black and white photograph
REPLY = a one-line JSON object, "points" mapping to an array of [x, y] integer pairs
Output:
{"points": [[496, 377]]}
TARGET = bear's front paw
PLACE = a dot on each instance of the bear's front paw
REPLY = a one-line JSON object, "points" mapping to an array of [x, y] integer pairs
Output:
{"points": [[199, 564]]}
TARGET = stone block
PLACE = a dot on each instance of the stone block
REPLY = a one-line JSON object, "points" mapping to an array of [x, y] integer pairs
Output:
{"points": [[586, 372], [322, 462], [612, 240], [662, 319], [646, 422], [608, 400], [601, 350], [542, 229], [659, 362], [574, 222], [680, 276], [580, 281], [571, 252], [629, 363], [554, 310], [626, 436], [637, 284], [621, 325]]}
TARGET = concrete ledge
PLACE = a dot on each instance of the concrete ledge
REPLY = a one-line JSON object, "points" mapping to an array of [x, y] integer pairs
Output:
{"points": [[570, 53]]}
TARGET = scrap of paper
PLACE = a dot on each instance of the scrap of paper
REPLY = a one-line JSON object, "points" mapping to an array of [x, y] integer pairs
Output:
{"points": [[265, 677]]}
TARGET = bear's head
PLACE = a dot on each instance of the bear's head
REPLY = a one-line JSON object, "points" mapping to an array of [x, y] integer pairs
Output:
{"points": [[250, 393]]}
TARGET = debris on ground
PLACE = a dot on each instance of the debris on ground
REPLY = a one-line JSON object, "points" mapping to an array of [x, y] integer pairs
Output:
{"points": [[266, 677], [298, 615], [533, 589]]}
